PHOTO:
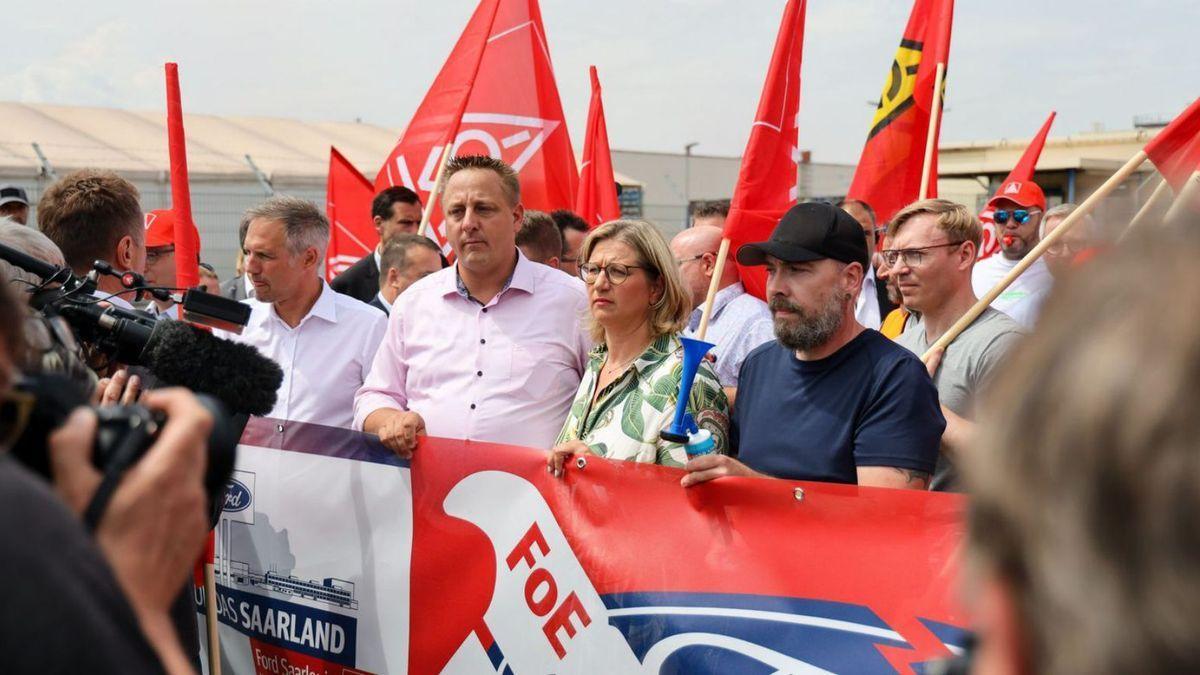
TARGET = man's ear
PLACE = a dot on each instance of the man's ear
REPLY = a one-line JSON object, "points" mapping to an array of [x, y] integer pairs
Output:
{"points": [[312, 257], [519, 215], [125, 256], [393, 277], [854, 274], [555, 263], [378, 224], [966, 255]]}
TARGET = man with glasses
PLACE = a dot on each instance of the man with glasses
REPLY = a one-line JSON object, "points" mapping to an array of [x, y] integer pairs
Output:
{"points": [[489, 349], [873, 303], [573, 229], [827, 400], [1060, 257], [394, 210], [739, 322], [160, 259], [933, 247], [1017, 211]]}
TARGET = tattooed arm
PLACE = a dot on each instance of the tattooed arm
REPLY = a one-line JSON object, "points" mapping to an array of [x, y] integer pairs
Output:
{"points": [[892, 477]]}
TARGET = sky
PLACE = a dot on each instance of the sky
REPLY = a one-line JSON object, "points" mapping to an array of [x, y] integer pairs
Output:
{"points": [[673, 71]]}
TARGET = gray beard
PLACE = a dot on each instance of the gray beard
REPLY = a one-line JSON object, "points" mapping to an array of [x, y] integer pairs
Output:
{"points": [[808, 331]]}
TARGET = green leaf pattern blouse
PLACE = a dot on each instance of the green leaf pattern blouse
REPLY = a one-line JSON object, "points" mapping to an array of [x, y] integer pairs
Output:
{"points": [[628, 414]]}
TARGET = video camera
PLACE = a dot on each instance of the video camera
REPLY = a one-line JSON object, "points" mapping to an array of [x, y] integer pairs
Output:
{"points": [[232, 380]]}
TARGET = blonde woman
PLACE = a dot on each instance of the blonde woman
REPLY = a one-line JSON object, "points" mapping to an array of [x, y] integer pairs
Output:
{"points": [[629, 391]]}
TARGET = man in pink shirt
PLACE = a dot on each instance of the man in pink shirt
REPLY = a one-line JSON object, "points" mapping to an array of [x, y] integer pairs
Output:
{"points": [[489, 349]]}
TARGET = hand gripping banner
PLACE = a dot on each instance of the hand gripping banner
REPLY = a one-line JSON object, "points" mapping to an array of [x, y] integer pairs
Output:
{"points": [[337, 557]]}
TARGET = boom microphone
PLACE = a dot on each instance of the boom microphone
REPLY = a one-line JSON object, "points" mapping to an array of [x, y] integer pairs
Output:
{"points": [[235, 374]]}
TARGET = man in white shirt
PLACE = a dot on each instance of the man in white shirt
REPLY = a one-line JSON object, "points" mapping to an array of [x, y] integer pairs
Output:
{"points": [[95, 215], [1017, 210], [324, 341], [406, 259], [740, 322]]}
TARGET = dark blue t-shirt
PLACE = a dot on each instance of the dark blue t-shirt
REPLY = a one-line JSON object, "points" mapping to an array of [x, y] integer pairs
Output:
{"points": [[871, 403]]}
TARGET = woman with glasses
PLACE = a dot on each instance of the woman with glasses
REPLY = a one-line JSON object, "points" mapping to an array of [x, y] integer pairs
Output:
{"points": [[629, 391]]}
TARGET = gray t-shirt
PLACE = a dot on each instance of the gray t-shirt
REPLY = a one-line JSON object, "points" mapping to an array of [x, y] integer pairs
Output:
{"points": [[967, 365]]}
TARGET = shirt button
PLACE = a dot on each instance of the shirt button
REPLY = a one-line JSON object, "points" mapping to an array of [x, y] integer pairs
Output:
{"points": [[485, 310], [472, 406], [279, 428], [479, 373], [482, 341]]}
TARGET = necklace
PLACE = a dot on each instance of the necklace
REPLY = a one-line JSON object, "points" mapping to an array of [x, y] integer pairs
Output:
{"points": [[618, 367]]}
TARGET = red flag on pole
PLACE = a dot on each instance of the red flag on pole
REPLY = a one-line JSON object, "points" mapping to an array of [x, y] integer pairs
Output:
{"points": [[1022, 172], [187, 237], [352, 234], [597, 201], [766, 185], [501, 65], [888, 176], [1175, 151]]}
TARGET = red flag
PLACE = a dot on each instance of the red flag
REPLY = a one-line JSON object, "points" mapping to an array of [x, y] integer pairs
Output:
{"points": [[766, 185], [1175, 151], [187, 237], [1023, 171], [352, 234], [889, 172], [501, 64], [597, 201]]}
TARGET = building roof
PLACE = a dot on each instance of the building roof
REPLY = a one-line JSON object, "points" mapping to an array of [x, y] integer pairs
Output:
{"points": [[135, 143], [1099, 150]]}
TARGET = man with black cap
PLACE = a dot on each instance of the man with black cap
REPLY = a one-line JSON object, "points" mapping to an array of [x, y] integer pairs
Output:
{"points": [[828, 400], [14, 203]]}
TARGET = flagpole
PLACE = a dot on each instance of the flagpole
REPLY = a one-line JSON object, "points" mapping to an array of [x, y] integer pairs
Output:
{"points": [[1186, 194], [1143, 214], [437, 188], [931, 138], [1086, 207], [713, 287]]}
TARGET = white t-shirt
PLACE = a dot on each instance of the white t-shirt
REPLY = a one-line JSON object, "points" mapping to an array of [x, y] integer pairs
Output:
{"points": [[1023, 298]]}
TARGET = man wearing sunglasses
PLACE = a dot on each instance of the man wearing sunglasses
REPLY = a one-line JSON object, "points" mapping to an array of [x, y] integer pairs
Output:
{"points": [[1061, 255], [933, 246], [1017, 209]]}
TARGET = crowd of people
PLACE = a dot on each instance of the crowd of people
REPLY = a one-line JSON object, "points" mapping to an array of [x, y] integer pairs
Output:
{"points": [[1064, 408]]}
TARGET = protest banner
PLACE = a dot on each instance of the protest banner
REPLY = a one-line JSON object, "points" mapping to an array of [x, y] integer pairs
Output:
{"points": [[895, 167], [766, 185], [335, 555], [352, 233], [597, 200], [495, 95]]}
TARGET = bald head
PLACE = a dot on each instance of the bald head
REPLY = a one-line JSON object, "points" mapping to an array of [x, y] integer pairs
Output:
{"points": [[696, 249]]}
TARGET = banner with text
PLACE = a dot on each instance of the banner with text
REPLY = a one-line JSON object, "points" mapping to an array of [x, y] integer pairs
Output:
{"points": [[334, 556]]}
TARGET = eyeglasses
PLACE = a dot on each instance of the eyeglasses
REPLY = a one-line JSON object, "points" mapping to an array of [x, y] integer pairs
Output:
{"points": [[158, 252], [914, 257], [1020, 216], [681, 261], [616, 272]]}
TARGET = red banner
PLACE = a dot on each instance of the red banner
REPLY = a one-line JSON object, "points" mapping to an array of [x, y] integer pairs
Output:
{"points": [[1175, 151], [888, 176], [352, 234], [1023, 171], [766, 185], [616, 561], [501, 65], [597, 201], [187, 237]]}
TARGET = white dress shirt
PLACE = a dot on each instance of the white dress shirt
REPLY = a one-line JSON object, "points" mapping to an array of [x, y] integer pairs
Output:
{"points": [[866, 308], [325, 358]]}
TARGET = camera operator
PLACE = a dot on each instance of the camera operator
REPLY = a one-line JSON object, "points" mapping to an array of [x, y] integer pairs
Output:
{"points": [[76, 602], [95, 215]]}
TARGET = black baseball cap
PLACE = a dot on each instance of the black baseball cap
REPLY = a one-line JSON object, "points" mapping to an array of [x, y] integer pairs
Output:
{"points": [[12, 193], [811, 231]]}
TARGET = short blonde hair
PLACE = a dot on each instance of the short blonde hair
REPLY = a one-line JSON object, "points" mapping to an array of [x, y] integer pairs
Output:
{"points": [[670, 313], [952, 218]]}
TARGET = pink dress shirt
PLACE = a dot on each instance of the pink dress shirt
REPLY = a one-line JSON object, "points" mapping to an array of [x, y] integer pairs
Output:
{"points": [[504, 372]]}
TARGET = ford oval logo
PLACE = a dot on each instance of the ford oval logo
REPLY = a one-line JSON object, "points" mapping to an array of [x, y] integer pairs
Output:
{"points": [[237, 496]]}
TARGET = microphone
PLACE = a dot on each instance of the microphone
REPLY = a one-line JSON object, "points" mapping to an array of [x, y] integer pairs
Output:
{"points": [[236, 374]]}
